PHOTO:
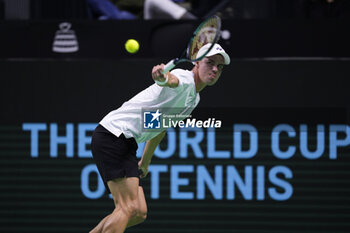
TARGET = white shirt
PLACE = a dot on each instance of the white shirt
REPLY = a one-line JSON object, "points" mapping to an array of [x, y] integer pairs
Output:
{"points": [[128, 118]]}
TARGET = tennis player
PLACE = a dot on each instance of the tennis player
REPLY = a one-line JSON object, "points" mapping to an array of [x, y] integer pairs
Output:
{"points": [[114, 141]]}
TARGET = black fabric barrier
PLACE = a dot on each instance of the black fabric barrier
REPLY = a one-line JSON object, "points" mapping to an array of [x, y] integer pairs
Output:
{"points": [[278, 163], [106, 39]]}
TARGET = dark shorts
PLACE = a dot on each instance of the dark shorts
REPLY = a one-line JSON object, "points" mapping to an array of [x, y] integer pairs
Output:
{"points": [[115, 157]]}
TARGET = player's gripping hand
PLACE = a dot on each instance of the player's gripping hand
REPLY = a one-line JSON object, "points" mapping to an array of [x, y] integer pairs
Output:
{"points": [[143, 170], [157, 73], [164, 80]]}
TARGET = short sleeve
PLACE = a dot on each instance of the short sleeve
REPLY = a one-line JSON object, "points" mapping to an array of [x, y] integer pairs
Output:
{"points": [[186, 79]]}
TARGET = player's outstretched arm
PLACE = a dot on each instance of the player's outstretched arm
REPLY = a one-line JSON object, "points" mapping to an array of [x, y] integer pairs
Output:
{"points": [[148, 151], [164, 80]]}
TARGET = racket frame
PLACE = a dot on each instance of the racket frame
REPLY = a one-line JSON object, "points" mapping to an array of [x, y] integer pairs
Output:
{"points": [[185, 55]]}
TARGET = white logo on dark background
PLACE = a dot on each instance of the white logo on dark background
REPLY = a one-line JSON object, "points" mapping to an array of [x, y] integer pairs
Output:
{"points": [[65, 40], [151, 120]]}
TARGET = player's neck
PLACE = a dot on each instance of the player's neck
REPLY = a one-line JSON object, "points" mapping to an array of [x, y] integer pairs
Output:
{"points": [[198, 82]]}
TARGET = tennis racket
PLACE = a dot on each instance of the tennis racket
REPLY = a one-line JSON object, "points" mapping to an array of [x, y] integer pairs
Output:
{"points": [[207, 32]]}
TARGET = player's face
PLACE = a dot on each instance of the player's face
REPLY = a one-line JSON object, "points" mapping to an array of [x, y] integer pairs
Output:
{"points": [[210, 68]]}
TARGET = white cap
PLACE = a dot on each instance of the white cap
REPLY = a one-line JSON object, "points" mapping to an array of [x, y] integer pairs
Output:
{"points": [[217, 49]]}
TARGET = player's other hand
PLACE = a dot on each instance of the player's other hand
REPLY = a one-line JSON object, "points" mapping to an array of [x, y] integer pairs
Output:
{"points": [[143, 169], [157, 73]]}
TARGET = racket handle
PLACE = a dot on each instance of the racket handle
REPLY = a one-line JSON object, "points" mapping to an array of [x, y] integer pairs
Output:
{"points": [[171, 64]]}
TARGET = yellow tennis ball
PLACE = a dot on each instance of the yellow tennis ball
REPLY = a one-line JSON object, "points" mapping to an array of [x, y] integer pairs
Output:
{"points": [[132, 46]]}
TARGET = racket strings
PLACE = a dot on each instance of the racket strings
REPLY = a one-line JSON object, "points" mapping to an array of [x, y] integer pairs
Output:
{"points": [[207, 32]]}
